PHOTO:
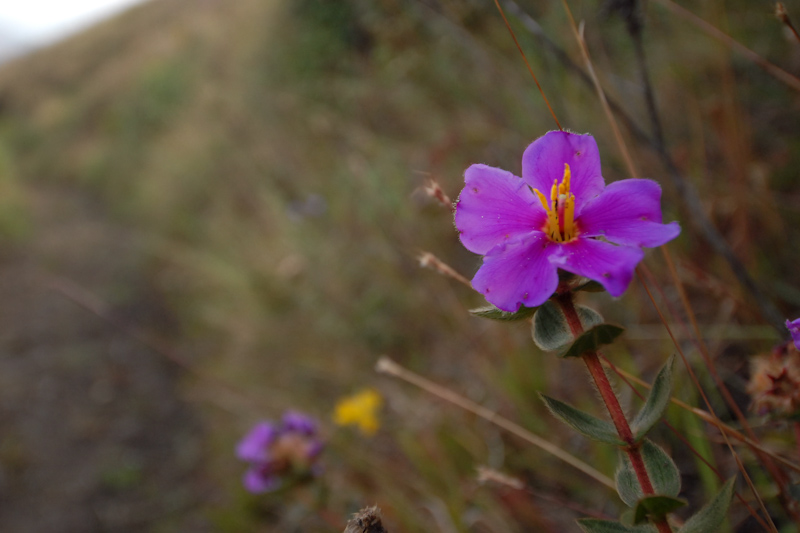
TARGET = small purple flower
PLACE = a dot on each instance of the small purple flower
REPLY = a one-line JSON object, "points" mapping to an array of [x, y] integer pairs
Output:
{"points": [[275, 451], [794, 329], [260, 478], [254, 446], [299, 422], [559, 215]]}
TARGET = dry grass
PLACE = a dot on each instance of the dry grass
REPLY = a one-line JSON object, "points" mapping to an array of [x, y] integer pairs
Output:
{"points": [[272, 158]]}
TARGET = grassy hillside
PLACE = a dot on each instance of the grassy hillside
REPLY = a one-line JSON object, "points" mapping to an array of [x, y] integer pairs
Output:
{"points": [[266, 160]]}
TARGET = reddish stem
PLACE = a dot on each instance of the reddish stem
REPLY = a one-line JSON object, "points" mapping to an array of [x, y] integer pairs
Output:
{"points": [[797, 436], [612, 404]]}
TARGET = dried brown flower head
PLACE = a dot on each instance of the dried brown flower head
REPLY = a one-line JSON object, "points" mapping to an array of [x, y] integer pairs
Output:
{"points": [[367, 520], [775, 382]]}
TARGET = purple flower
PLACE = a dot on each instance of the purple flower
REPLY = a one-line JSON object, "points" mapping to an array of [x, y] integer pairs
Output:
{"points": [[299, 422], [794, 329], [275, 451], [254, 446], [261, 478], [559, 215]]}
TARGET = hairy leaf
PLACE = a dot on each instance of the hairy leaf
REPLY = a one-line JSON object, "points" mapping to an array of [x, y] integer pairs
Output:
{"points": [[591, 340], [586, 424], [709, 518], [663, 474], [551, 330], [628, 486], [656, 403]]}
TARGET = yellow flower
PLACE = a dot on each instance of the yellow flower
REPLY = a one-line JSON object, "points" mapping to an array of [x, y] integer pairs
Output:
{"points": [[359, 410]]}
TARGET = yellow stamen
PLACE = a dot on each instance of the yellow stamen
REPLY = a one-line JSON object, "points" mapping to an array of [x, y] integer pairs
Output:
{"points": [[542, 199], [560, 226], [564, 188], [569, 218]]}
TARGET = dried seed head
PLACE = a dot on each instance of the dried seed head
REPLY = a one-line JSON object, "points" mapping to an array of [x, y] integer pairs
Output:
{"points": [[775, 382], [435, 191], [367, 520]]}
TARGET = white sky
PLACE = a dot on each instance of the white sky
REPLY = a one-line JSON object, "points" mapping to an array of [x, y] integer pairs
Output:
{"points": [[36, 22]]}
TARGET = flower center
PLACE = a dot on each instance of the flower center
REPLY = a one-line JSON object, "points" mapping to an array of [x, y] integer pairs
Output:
{"points": [[560, 225]]}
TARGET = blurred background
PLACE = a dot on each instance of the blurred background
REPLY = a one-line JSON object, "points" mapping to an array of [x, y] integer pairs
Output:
{"points": [[212, 211]]}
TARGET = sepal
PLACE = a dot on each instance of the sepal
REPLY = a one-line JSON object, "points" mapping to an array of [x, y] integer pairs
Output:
{"points": [[494, 313], [591, 340], [551, 330], [656, 508], [589, 285]]}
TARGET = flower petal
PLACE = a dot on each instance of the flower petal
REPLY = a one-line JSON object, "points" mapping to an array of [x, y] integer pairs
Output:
{"points": [[495, 206], [518, 272], [794, 329], [257, 479], [299, 423], [611, 266], [254, 447], [543, 162], [628, 212]]}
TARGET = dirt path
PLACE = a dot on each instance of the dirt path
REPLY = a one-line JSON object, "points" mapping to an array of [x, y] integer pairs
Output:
{"points": [[93, 435]]}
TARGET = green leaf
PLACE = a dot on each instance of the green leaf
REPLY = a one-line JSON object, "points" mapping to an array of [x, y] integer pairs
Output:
{"points": [[709, 518], [494, 313], [550, 327], [656, 508], [660, 468], [591, 340], [656, 403], [593, 525], [626, 517], [628, 486], [664, 474], [584, 423]]}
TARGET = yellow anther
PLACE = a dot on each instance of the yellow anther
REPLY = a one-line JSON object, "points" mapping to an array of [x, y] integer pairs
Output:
{"points": [[560, 210], [542, 199], [569, 218]]}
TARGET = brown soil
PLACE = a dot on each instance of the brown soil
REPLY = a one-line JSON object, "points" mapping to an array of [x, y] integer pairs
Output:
{"points": [[94, 435]]}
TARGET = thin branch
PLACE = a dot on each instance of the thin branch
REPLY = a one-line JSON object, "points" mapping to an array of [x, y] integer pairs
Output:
{"points": [[387, 366], [777, 475], [770, 68], [428, 260], [710, 408], [783, 16], [704, 415], [490, 475], [627, 377], [578, 32], [525, 59]]}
